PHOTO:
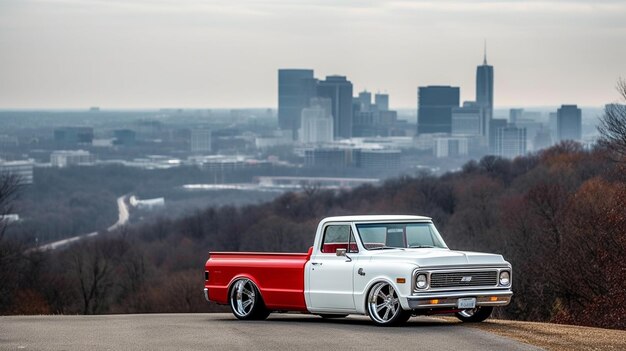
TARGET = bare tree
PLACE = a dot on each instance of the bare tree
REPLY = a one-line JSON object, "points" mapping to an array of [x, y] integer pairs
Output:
{"points": [[92, 267], [310, 189], [612, 126], [9, 187]]}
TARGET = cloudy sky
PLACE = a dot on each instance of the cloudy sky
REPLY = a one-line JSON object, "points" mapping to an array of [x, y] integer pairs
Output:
{"points": [[202, 53]]}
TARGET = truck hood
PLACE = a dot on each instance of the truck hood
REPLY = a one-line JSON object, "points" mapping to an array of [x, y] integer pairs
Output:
{"points": [[425, 257]]}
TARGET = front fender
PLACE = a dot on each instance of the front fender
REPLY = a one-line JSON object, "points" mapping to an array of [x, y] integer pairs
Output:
{"points": [[389, 273]]}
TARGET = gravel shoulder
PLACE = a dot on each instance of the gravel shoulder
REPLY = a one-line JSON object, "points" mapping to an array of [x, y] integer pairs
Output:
{"points": [[557, 337]]}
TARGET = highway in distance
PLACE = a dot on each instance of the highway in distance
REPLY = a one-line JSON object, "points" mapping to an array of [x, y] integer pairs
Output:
{"points": [[221, 331]]}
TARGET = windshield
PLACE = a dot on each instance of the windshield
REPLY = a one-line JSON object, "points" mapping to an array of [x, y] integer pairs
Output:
{"points": [[378, 236]]}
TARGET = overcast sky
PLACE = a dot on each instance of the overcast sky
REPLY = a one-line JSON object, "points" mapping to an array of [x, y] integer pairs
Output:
{"points": [[202, 53]]}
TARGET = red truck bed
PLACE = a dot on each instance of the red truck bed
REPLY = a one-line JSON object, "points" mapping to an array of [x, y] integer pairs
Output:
{"points": [[279, 276]]}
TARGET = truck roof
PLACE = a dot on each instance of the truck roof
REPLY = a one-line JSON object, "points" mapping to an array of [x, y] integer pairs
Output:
{"points": [[375, 218]]}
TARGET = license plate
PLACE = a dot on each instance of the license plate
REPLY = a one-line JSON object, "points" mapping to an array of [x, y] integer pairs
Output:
{"points": [[469, 302]]}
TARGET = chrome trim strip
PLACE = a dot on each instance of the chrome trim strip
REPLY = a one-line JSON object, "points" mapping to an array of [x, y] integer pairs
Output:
{"points": [[446, 294], [415, 301]]}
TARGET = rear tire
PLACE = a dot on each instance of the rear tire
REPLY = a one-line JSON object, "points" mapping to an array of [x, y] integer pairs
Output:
{"points": [[246, 302], [475, 315]]}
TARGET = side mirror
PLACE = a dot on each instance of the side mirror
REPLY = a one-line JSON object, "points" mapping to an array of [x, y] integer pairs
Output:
{"points": [[341, 252]]}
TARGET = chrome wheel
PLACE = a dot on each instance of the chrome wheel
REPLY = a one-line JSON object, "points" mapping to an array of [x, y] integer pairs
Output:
{"points": [[468, 313], [383, 303], [242, 298], [475, 315]]}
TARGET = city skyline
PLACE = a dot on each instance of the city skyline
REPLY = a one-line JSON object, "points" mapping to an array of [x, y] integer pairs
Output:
{"points": [[191, 54]]}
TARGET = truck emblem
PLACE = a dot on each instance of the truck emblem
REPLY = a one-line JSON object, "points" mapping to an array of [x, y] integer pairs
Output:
{"points": [[466, 279]]}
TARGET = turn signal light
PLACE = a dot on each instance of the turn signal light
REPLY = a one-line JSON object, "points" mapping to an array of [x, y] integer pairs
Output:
{"points": [[400, 280], [434, 301], [493, 298]]}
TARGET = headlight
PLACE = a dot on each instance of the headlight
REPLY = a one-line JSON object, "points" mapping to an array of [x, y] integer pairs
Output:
{"points": [[505, 278], [421, 282]]}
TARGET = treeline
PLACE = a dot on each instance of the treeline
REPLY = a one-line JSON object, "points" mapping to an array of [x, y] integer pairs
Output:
{"points": [[558, 216]]}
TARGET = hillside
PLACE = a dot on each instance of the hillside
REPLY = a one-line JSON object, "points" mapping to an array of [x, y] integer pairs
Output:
{"points": [[557, 216]]}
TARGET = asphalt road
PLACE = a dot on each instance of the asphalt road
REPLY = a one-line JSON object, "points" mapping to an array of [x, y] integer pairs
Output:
{"points": [[224, 332], [123, 216]]}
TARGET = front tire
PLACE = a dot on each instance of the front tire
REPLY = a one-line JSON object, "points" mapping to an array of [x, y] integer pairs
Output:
{"points": [[475, 315], [246, 302], [383, 306]]}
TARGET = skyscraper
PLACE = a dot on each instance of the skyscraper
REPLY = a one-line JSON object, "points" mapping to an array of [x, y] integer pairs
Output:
{"points": [[365, 101], [295, 88], [484, 91], [434, 109], [467, 121], [317, 122], [516, 114], [510, 141], [568, 123], [542, 139], [382, 101], [494, 125], [339, 90]]}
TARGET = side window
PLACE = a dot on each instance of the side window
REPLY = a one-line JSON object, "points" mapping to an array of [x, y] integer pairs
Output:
{"points": [[338, 237]]}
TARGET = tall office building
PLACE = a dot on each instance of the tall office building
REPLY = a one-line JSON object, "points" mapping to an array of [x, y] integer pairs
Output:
{"points": [[434, 109], [542, 139], [494, 124], [532, 127], [339, 90], [317, 122], [365, 101], [467, 120], [510, 141], [552, 126], [295, 88], [382, 102], [516, 114], [568, 123], [484, 91]]}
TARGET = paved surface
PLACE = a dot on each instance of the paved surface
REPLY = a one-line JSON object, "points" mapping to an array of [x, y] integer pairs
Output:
{"points": [[223, 332]]}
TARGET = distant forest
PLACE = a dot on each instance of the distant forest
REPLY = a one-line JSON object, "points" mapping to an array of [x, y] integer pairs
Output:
{"points": [[558, 216], [65, 202]]}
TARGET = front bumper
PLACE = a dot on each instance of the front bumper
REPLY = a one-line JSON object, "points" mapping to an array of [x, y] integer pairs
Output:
{"points": [[206, 294], [449, 299]]}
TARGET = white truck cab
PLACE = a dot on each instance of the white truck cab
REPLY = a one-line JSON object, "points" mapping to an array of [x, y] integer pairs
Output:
{"points": [[392, 267]]}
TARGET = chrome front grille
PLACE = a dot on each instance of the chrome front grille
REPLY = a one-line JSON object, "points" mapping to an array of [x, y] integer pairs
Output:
{"points": [[460, 279]]}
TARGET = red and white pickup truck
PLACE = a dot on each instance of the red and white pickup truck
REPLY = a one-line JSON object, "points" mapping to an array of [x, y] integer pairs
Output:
{"points": [[386, 267]]}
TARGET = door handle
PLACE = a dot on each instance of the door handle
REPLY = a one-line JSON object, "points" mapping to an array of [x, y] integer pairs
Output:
{"points": [[316, 263]]}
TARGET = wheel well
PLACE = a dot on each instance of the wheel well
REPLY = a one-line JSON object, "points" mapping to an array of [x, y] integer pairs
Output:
{"points": [[235, 279], [371, 286]]}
